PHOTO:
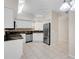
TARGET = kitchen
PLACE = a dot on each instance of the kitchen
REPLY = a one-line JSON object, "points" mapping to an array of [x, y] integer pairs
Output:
{"points": [[17, 29], [32, 24]]}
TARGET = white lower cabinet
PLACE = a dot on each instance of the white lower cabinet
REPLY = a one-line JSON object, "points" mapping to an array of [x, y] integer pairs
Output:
{"points": [[13, 49], [24, 38], [38, 37]]}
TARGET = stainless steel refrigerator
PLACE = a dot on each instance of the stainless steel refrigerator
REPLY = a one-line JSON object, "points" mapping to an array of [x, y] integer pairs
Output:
{"points": [[46, 30]]}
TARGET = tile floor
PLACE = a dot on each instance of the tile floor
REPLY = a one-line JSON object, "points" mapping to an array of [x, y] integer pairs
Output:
{"points": [[39, 50]]}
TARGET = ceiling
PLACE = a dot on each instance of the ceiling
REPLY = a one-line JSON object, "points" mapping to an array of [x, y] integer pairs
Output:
{"points": [[40, 7]]}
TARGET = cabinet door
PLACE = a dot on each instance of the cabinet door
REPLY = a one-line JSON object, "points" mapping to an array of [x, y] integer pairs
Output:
{"points": [[23, 24], [8, 18]]}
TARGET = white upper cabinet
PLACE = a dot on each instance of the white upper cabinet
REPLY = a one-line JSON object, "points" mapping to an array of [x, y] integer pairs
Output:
{"points": [[8, 18], [23, 23]]}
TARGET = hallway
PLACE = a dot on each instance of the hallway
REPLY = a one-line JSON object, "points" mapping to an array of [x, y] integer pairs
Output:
{"points": [[39, 50]]}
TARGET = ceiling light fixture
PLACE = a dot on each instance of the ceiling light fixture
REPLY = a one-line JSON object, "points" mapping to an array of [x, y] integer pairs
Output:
{"points": [[68, 5], [65, 6], [20, 6]]}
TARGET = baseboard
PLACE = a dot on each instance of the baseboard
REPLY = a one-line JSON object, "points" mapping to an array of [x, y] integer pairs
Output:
{"points": [[37, 41]]}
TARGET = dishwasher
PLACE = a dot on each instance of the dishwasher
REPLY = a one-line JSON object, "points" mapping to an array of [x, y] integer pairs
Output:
{"points": [[29, 37]]}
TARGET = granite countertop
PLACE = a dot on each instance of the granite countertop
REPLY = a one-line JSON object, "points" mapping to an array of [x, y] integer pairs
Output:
{"points": [[14, 34], [13, 37], [24, 30], [20, 30]]}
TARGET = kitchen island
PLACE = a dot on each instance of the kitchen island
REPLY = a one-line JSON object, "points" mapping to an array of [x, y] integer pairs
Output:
{"points": [[14, 40]]}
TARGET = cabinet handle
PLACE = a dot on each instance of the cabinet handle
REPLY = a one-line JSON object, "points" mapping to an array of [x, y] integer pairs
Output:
{"points": [[14, 24]]}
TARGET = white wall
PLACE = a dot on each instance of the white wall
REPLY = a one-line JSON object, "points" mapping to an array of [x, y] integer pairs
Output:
{"points": [[8, 18], [63, 35], [38, 26], [72, 34], [12, 4], [60, 31], [54, 28]]}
